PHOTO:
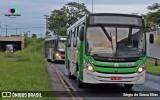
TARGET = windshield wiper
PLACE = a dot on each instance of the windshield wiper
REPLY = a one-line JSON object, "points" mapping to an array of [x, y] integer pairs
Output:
{"points": [[106, 33], [130, 36]]}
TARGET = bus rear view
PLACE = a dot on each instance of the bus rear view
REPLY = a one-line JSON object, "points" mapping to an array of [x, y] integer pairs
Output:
{"points": [[114, 50]]}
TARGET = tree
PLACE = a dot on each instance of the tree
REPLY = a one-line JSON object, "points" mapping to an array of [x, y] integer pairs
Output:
{"points": [[153, 18], [61, 19], [25, 34], [74, 11], [34, 35], [155, 6], [57, 22]]}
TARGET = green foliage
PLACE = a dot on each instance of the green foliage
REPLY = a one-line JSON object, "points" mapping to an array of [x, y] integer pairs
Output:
{"points": [[151, 68], [34, 46], [57, 22], [154, 6], [61, 19], [74, 11], [27, 72], [153, 18]]}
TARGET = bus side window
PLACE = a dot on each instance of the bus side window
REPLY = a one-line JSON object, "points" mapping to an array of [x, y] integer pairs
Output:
{"points": [[53, 44], [50, 43], [74, 32], [80, 27], [47, 44], [74, 38], [77, 36], [69, 39]]}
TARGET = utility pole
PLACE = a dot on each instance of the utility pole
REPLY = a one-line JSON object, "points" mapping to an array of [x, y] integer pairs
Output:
{"points": [[46, 17], [92, 6], [28, 33], [16, 31], [21, 31], [0, 27], [41, 35], [6, 29]]}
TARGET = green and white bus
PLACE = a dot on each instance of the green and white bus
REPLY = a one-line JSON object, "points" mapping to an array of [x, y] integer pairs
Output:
{"points": [[55, 48], [107, 48]]}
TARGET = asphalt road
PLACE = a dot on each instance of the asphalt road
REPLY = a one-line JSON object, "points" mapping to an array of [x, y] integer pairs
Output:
{"points": [[153, 50], [107, 92]]}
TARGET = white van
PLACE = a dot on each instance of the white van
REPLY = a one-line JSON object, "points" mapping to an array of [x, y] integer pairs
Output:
{"points": [[9, 48]]}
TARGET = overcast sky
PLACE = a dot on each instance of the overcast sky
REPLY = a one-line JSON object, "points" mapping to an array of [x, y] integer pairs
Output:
{"points": [[32, 12]]}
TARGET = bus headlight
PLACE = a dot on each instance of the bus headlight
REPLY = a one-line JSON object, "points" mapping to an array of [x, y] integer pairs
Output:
{"points": [[88, 66], [141, 68], [57, 54]]}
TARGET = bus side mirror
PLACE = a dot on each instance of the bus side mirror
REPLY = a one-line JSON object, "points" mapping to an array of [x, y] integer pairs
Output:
{"points": [[69, 42], [81, 34], [151, 38]]}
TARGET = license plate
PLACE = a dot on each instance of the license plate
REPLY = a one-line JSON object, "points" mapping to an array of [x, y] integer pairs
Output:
{"points": [[116, 78]]}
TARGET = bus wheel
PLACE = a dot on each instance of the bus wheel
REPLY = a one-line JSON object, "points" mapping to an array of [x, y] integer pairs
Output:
{"points": [[69, 72], [55, 61], [49, 60], [80, 84], [128, 86]]}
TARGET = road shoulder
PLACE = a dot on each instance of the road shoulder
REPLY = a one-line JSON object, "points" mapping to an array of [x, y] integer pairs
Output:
{"points": [[56, 83]]}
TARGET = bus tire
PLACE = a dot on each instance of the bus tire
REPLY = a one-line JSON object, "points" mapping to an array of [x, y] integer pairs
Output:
{"points": [[55, 61], [69, 72], [128, 86], [49, 60], [80, 84]]}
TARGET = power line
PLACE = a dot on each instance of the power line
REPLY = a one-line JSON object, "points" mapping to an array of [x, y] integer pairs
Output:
{"points": [[28, 26], [23, 28], [24, 18], [28, 18], [24, 23]]}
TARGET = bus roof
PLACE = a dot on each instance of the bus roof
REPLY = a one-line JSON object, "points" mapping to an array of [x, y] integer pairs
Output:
{"points": [[114, 14], [101, 14], [77, 23], [54, 38]]}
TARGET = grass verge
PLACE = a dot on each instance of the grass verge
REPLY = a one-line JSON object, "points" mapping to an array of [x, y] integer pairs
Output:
{"points": [[151, 68], [25, 73]]}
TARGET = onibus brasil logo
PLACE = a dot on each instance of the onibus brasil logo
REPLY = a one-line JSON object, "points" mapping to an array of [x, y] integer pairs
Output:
{"points": [[12, 12]]}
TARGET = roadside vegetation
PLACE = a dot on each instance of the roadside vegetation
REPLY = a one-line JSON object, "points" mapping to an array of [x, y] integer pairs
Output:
{"points": [[152, 68], [25, 70], [158, 40]]}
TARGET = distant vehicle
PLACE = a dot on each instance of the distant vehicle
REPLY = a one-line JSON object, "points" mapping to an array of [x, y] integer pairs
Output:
{"points": [[11, 48], [107, 48], [55, 48]]}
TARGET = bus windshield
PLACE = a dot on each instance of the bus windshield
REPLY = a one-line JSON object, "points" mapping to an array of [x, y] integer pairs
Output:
{"points": [[115, 41], [61, 46]]}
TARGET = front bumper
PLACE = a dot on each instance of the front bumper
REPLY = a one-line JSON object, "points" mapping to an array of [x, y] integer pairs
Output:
{"points": [[98, 78], [61, 58]]}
